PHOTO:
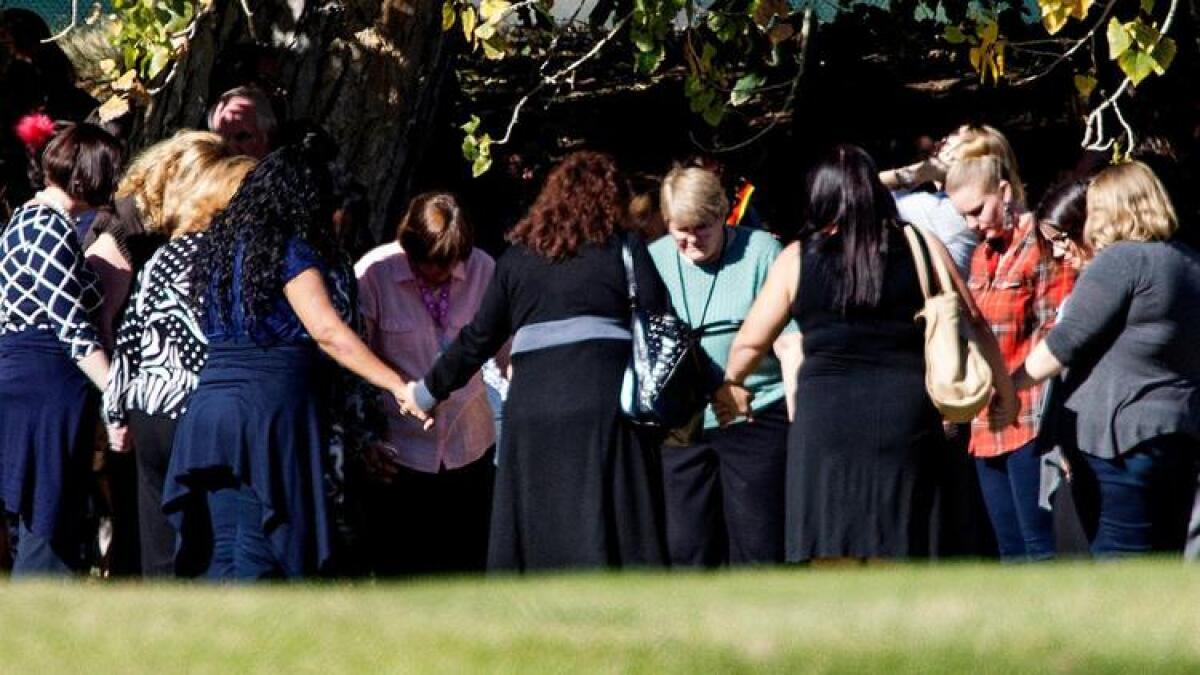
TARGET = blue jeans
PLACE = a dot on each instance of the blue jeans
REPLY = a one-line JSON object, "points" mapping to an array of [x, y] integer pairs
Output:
{"points": [[240, 548], [1024, 531], [1145, 497]]}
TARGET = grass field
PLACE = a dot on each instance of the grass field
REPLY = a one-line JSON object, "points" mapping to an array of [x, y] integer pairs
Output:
{"points": [[1127, 617]]}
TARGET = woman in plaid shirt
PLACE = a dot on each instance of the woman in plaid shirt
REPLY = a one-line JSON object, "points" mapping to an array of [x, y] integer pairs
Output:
{"points": [[1018, 286]]}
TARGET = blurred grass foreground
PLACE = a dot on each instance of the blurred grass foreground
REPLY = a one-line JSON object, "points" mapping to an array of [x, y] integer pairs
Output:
{"points": [[1070, 617]]}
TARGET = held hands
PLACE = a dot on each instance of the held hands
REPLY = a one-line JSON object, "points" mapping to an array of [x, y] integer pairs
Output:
{"points": [[730, 401], [1003, 410], [406, 401]]}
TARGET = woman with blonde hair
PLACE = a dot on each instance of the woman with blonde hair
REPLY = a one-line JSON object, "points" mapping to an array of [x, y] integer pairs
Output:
{"points": [[1018, 285], [160, 348], [724, 487], [1129, 340], [123, 238], [932, 211]]}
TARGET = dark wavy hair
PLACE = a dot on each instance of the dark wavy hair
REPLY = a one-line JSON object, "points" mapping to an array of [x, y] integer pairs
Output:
{"points": [[287, 195], [844, 191], [584, 200]]}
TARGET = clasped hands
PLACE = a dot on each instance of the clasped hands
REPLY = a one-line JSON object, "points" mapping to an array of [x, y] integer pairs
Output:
{"points": [[406, 402], [730, 401]]}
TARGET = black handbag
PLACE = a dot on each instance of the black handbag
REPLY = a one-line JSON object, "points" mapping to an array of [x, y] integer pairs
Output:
{"points": [[662, 384]]}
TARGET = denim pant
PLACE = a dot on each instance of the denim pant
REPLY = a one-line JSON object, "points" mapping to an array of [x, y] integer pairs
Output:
{"points": [[1145, 497], [240, 548], [1024, 531]]}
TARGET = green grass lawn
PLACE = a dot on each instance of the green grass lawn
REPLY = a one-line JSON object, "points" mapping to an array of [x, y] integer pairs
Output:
{"points": [[1127, 617]]}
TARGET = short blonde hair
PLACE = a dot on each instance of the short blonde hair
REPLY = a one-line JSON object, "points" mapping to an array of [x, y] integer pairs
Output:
{"points": [[1128, 203], [147, 177], [982, 140], [986, 172], [197, 193], [693, 195]]}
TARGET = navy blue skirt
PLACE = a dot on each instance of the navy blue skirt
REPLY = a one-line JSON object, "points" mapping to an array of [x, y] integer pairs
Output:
{"points": [[254, 420], [48, 416]]}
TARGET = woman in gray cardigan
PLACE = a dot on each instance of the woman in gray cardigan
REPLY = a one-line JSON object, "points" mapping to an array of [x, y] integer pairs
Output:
{"points": [[1129, 337]]}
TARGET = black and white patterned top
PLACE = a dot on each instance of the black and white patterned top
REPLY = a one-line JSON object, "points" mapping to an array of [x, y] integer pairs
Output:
{"points": [[44, 283], [160, 347]]}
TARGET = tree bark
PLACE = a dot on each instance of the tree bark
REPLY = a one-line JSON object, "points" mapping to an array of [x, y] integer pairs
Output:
{"points": [[369, 71]]}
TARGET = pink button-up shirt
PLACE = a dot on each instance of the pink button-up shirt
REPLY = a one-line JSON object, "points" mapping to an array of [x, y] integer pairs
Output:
{"points": [[401, 332]]}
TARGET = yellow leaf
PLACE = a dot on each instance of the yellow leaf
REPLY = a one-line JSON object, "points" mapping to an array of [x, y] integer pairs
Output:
{"points": [[449, 15], [493, 10], [1085, 85], [469, 19], [113, 108]]}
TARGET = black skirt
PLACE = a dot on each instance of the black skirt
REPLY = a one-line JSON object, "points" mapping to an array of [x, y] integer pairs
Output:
{"points": [[576, 485], [254, 420], [48, 416], [862, 454]]}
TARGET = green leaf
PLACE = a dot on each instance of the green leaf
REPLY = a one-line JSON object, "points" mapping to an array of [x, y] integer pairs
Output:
{"points": [[471, 126], [647, 62], [702, 101], [1163, 54], [1137, 65], [745, 88], [1119, 39], [157, 60], [714, 113], [923, 12], [1145, 36], [1147, 6], [486, 31], [692, 86], [644, 42], [954, 34], [449, 15]]}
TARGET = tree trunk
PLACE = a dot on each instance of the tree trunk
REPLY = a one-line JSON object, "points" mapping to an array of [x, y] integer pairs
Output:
{"points": [[369, 71]]}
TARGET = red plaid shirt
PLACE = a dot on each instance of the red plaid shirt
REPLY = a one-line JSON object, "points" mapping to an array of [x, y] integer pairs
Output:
{"points": [[1019, 291]]}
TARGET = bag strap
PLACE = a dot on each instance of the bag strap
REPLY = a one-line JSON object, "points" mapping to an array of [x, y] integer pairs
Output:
{"points": [[630, 277], [920, 253]]}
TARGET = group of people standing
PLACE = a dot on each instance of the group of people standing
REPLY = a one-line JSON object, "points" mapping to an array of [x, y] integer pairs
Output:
{"points": [[426, 408]]}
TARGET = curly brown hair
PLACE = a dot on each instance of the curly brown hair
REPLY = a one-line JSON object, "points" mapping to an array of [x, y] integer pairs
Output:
{"points": [[585, 199]]}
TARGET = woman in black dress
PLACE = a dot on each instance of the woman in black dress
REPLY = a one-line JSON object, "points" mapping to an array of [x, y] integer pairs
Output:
{"points": [[865, 439], [577, 485]]}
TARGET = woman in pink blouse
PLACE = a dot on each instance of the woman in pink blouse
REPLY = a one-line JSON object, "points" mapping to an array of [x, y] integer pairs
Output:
{"points": [[428, 497]]}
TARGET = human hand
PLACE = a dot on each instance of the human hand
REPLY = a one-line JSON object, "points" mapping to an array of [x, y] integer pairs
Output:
{"points": [[119, 439], [406, 401], [1003, 410], [730, 401]]}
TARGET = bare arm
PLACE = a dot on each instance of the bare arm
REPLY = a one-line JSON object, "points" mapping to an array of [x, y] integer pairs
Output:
{"points": [[789, 348], [767, 317], [307, 295], [1039, 366]]}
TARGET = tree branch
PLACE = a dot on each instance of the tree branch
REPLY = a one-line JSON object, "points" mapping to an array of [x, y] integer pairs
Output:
{"points": [[71, 27], [557, 76], [801, 60], [1094, 136], [1108, 8]]}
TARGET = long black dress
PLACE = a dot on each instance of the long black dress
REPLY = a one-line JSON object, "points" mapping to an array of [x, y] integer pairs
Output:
{"points": [[863, 446], [576, 485]]}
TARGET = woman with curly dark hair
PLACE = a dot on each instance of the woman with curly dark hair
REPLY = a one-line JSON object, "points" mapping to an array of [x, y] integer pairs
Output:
{"points": [[244, 486], [576, 485]]}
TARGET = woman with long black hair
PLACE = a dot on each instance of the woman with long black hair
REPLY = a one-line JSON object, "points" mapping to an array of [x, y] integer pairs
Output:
{"points": [[865, 438], [245, 481]]}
